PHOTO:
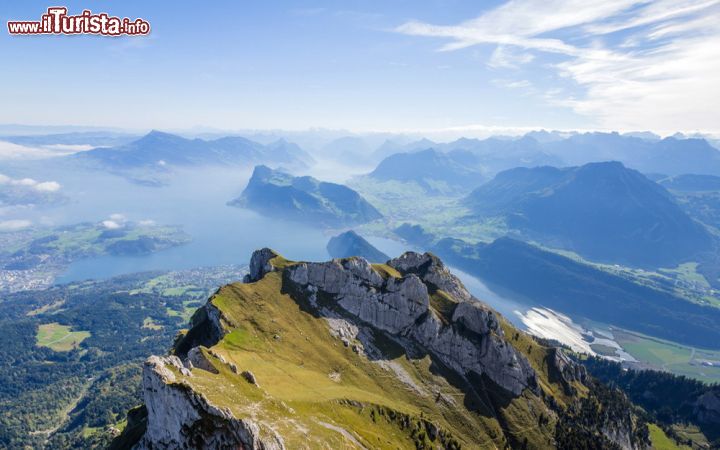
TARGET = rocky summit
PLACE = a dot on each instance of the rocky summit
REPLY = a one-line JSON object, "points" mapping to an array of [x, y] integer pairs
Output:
{"points": [[348, 354]]}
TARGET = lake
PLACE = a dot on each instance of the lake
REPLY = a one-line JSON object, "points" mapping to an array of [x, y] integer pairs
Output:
{"points": [[196, 200]]}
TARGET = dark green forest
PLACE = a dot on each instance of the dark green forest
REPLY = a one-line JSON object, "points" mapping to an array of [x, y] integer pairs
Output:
{"points": [[79, 398], [667, 399]]}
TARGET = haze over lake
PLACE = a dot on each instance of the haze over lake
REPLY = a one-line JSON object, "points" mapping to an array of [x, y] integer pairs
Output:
{"points": [[220, 234]]}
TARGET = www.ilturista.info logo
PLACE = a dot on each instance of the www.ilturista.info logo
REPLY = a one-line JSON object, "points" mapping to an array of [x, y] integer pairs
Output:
{"points": [[56, 21]]}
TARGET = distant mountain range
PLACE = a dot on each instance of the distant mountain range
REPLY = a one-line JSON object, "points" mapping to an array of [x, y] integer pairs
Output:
{"points": [[349, 243], [460, 165], [158, 150], [603, 211], [642, 151], [571, 287], [278, 194], [96, 139], [670, 156], [434, 171]]}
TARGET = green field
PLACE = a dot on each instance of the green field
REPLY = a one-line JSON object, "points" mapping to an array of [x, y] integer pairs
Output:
{"points": [[59, 337], [660, 441], [670, 356], [442, 215], [149, 324]]}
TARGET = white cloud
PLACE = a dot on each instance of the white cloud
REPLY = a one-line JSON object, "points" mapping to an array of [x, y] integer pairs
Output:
{"points": [[115, 221], [660, 74], [45, 186], [111, 224], [653, 12], [512, 84], [520, 22], [10, 151], [48, 186], [68, 149], [508, 57], [24, 182], [14, 225]]}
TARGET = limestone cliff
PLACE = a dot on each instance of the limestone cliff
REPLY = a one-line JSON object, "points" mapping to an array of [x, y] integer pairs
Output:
{"points": [[348, 354]]}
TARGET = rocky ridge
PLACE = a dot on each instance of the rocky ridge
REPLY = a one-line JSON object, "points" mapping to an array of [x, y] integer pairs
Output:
{"points": [[412, 303], [472, 340]]}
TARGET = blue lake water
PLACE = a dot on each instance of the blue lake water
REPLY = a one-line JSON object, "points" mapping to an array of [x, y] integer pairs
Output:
{"points": [[197, 201]]}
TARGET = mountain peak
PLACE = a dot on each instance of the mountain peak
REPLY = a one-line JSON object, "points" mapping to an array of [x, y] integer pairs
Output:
{"points": [[603, 211], [350, 243], [400, 350], [156, 134]]}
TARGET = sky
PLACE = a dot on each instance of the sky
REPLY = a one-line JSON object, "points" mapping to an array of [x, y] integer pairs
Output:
{"points": [[366, 65]]}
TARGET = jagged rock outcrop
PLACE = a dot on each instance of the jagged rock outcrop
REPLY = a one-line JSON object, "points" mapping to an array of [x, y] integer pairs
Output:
{"points": [[472, 343], [324, 355], [180, 418], [390, 305], [260, 264], [196, 358], [433, 272]]}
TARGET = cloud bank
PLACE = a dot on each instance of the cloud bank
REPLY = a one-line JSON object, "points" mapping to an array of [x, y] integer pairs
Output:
{"points": [[628, 64]]}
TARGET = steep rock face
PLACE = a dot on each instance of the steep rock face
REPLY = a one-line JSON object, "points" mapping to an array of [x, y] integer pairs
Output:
{"points": [[568, 370], [335, 355], [432, 271], [390, 305], [471, 342], [180, 418], [260, 264], [208, 327]]}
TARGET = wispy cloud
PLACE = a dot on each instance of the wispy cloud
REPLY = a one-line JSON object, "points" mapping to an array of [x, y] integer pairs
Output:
{"points": [[10, 151], [508, 57], [512, 84], [637, 64]]}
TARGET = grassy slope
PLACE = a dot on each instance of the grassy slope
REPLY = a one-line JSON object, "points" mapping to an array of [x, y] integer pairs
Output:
{"points": [[660, 441], [309, 379]]}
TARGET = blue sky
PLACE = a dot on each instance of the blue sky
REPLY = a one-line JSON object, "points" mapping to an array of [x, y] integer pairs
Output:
{"points": [[374, 65]]}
